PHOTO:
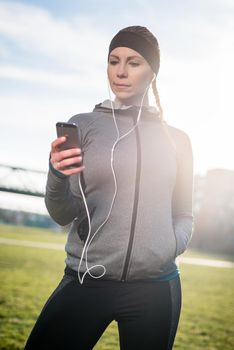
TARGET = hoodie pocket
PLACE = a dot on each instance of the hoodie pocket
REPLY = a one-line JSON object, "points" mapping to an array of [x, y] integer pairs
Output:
{"points": [[83, 226], [183, 232]]}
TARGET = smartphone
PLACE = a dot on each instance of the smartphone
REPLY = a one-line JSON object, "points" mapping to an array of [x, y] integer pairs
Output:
{"points": [[70, 131]]}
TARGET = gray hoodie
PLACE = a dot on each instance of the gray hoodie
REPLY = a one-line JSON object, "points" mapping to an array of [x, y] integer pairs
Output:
{"points": [[151, 220]]}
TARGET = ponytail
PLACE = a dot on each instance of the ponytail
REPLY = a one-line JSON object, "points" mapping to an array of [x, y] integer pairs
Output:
{"points": [[163, 122]]}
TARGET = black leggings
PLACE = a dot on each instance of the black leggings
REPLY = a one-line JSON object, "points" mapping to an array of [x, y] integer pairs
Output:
{"points": [[75, 316]]}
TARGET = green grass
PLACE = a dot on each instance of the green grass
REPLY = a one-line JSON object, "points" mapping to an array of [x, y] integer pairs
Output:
{"points": [[29, 275], [32, 234], [204, 255]]}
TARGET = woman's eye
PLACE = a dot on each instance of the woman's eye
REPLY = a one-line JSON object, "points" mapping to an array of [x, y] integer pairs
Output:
{"points": [[134, 64], [113, 62]]}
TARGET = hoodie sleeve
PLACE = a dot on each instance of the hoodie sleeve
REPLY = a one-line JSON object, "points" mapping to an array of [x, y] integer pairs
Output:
{"points": [[61, 202], [62, 205], [182, 207]]}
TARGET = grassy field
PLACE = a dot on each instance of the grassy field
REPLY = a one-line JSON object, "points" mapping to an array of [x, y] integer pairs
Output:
{"points": [[29, 275]]}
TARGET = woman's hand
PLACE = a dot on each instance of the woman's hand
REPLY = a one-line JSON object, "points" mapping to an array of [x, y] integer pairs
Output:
{"points": [[68, 162]]}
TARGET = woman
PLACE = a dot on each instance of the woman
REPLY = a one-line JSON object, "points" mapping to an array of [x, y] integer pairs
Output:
{"points": [[130, 210]]}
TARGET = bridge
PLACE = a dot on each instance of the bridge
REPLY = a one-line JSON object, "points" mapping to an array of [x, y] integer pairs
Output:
{"points": [[22, 181]]}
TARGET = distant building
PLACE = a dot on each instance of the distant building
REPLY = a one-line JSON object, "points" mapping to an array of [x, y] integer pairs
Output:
{"points": [[214, 211]]}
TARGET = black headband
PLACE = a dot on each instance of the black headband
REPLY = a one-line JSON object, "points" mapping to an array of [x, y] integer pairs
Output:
{"points": [[138, 43]]}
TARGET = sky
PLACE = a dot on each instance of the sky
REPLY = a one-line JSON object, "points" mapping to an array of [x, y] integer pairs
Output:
{"points": [[53, 57]]}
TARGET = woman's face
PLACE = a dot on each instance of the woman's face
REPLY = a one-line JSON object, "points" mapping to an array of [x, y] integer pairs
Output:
{"points": [[129, 75]]}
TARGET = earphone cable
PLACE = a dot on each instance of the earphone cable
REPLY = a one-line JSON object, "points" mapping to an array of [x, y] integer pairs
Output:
{"points": [[88, 239]]}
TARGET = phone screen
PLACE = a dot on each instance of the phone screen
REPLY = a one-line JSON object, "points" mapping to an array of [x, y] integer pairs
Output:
{"points": [[70, 131]]}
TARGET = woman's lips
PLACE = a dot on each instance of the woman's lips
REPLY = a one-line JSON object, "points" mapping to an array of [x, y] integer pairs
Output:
{"points": [[121, 85]]}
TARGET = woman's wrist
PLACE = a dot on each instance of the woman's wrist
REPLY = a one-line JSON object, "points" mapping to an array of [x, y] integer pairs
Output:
{"points": [[56, 172]]}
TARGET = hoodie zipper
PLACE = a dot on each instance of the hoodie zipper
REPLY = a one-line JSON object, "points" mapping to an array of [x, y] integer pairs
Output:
{"points": [[135, 207]]}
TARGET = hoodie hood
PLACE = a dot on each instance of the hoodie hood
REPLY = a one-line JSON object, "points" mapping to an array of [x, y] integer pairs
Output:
{"points": [[147, 111]]}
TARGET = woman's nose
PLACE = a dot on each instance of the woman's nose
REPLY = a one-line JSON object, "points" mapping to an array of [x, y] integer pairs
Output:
{"points": [[122, 71]]}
